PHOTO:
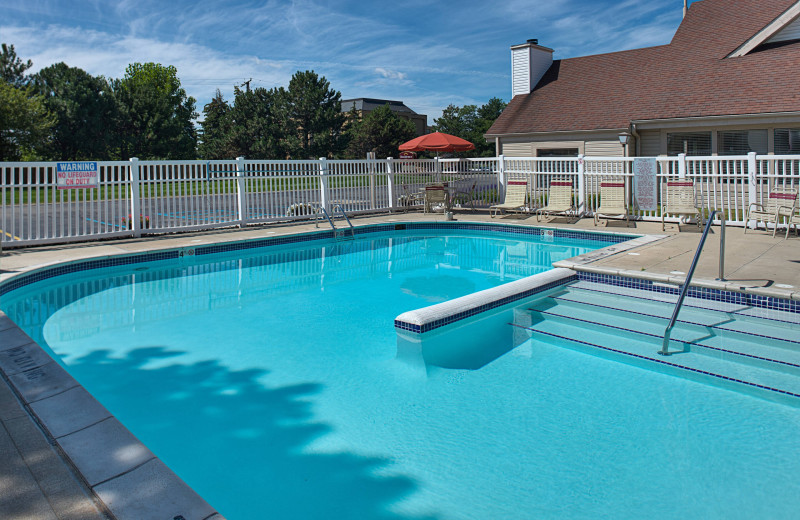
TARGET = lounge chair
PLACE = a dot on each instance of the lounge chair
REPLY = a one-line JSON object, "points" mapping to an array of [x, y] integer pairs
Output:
{"points": [[516, 193], [680, 200], [612, 202], [435, 195], [559, 200], [780, 206]]}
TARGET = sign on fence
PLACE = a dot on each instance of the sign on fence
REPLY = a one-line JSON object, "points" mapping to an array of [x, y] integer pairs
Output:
{"points": [[72, 175], [645, 188]]}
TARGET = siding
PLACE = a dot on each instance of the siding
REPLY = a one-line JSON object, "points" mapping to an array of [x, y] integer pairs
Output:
{"points": [[517, 149], [520, 71], [603, 149], [790, 32], [650, 143]]}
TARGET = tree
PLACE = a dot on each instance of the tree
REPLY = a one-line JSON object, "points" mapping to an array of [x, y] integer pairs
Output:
{"points": [[12, 69], [458, 121], [24, 124], [258, 125], [155, 113], [380, 131], [215, 134], [85, 111], [314, 112], [487, 114], [471, 122]]}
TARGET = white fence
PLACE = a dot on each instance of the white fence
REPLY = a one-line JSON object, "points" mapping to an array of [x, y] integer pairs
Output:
{"points": [[140, 197]]}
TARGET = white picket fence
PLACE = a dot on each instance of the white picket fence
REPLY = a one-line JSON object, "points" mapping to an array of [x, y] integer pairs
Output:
{"points": [[143, 197]]}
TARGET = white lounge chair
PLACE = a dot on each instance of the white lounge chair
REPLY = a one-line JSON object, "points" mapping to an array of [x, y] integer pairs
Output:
{"points": [[680, 200], [559, 200], [612, 201], [516, 193], [780, 206]]}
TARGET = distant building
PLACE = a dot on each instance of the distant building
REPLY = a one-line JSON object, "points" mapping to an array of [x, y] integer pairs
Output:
{"points": [[725, 85], [366, 105]]}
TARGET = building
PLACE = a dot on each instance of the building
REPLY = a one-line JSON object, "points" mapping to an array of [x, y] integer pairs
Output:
{"points": [[366, 105], [724, 85]]}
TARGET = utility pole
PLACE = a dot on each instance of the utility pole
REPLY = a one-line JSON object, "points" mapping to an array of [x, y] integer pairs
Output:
{"points": [[247, 84]]}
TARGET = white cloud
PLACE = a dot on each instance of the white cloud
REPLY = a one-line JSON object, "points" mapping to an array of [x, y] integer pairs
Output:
{"points": [[391, 74], [201, 69]]}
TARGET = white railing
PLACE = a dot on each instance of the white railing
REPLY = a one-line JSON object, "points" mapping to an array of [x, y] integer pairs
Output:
{"points": [[141, 197]]}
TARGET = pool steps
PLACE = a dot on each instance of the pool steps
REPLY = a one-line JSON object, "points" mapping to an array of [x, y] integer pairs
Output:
{"points": [[710, 337], [755, 354]]}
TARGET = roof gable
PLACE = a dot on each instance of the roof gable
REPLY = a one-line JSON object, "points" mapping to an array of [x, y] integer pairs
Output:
{"points": [[785, 27]]}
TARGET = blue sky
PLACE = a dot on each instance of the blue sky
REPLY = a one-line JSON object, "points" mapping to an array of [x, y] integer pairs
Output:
{"points": [[426, 54]]}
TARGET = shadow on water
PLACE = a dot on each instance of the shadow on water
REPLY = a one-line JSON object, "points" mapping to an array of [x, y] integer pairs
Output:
{"points": [[238, 443]]}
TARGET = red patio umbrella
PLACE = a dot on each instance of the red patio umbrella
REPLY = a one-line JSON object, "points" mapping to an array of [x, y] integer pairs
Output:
{"points": [[438, 142]]}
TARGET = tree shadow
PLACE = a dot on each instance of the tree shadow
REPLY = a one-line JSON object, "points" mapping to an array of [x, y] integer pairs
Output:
{"points": [[237, 443]]}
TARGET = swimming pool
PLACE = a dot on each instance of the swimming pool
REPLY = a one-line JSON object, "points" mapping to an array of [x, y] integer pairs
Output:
{"points": [[312, 414]]}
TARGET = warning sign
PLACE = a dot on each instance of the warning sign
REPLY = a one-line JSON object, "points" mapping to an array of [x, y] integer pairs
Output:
{"points": [[71, 175]]}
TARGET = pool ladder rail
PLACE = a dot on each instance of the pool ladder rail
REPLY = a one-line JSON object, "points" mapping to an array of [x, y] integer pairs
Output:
{"points": [[668, 331], [339, 234]]}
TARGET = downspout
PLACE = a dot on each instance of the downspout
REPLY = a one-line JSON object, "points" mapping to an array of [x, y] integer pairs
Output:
{"points": [[637, 150]]}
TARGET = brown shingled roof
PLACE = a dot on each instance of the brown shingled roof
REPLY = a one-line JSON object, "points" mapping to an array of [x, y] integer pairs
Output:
{"points": [[690, 77]]}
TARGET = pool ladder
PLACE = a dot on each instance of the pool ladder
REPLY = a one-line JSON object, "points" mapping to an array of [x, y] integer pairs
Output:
{"points": [[339, 234], [668, 331]]}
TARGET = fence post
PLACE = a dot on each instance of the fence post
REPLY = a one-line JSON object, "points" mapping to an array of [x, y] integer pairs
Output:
{"points": [[371, 175], [581, 185], [752, 182], [681, 165], [136, 201], [390, 183], [501, 179], [324, 188], [241, 193]]}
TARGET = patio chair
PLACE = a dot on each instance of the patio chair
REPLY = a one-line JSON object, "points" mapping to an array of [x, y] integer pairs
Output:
{"points": [[464, 197], [409, 198], [781, 204], [435, 195], [794, 220], [559, 200], [612, 202], [516, 193], [680, 200]]}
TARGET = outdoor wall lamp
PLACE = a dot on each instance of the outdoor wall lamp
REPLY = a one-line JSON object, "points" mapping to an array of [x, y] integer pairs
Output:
{"points": [[624, 138]]}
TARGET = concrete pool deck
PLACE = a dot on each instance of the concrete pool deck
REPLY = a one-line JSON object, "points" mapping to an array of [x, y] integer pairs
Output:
{"points": [[36, 482]]}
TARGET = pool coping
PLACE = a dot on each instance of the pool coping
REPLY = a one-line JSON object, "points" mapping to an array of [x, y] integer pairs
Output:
{"points": [[45, 388], [106, 458]]}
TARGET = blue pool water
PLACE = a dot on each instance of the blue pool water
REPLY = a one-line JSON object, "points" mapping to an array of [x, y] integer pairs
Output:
{"points": [[270, 383]]}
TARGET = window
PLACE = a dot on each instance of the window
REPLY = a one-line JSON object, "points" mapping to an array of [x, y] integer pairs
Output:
{"points": [[787, 141], [690, 143], [742, 142], [556, 152]]}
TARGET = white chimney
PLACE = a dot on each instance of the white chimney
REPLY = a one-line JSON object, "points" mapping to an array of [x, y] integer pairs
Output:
{"points": [[529, 62]]}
